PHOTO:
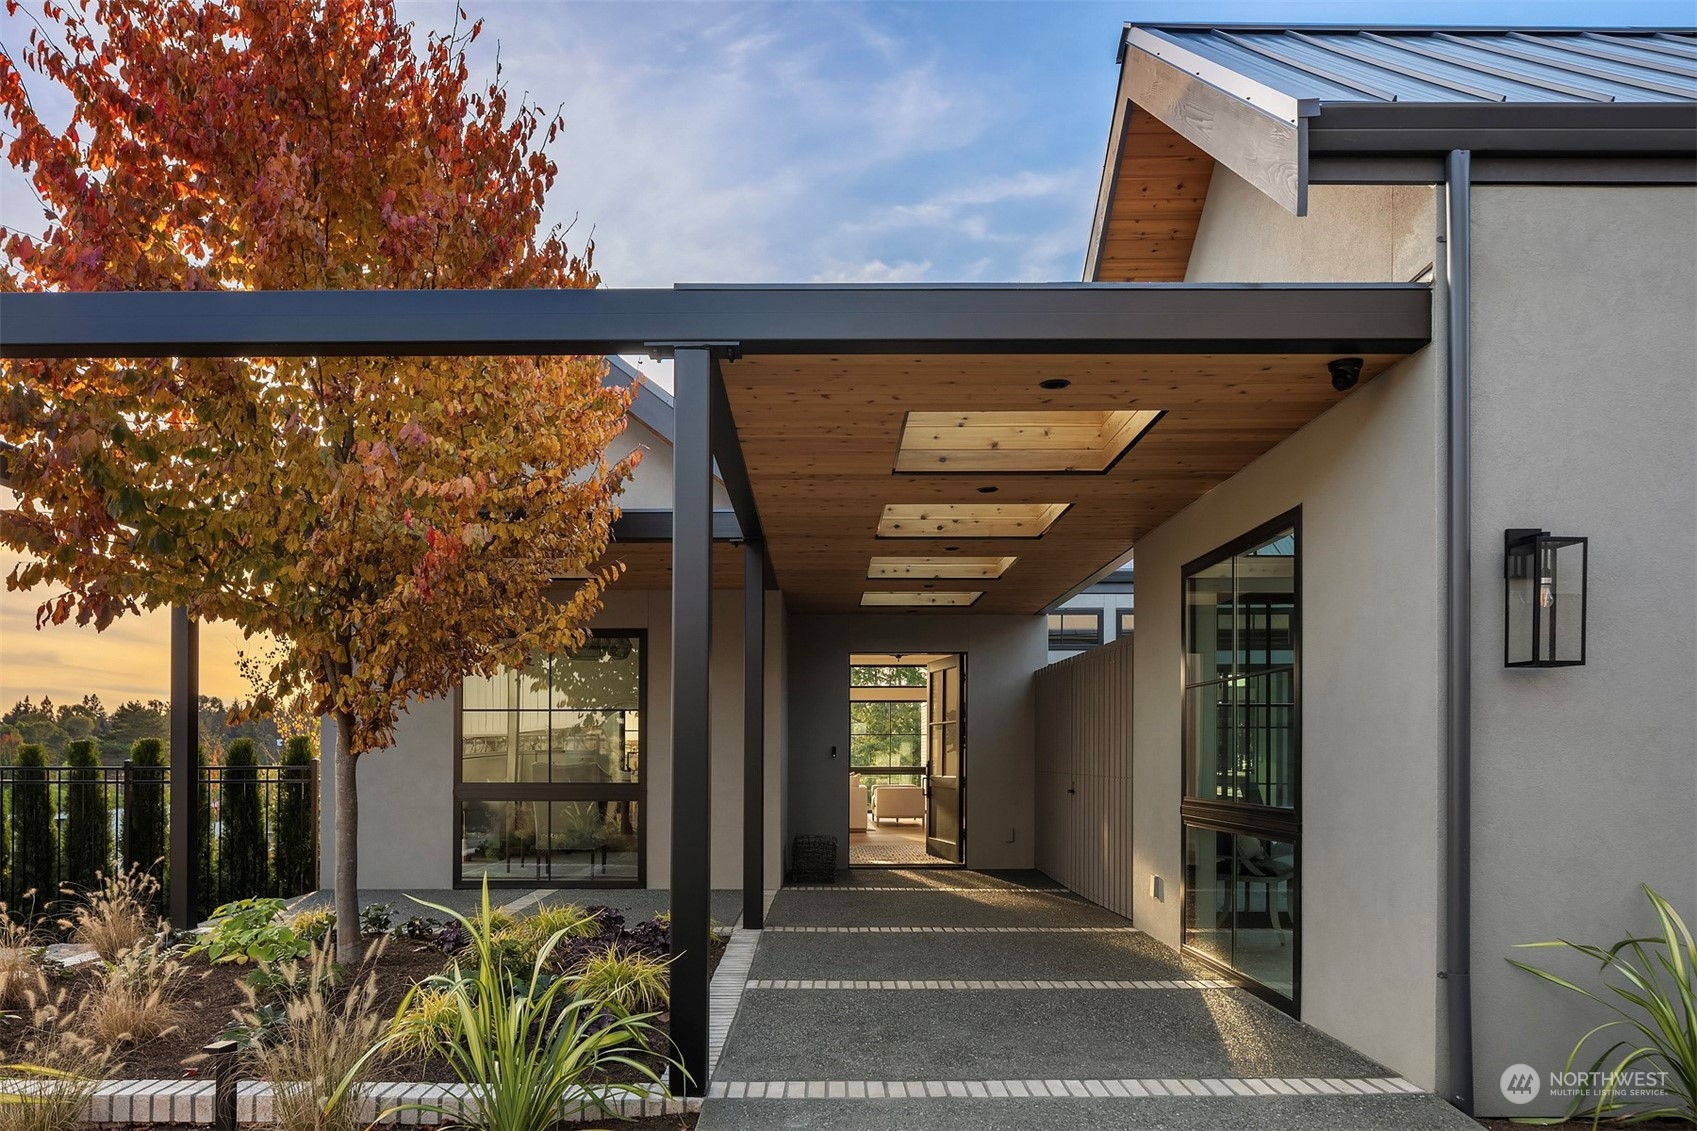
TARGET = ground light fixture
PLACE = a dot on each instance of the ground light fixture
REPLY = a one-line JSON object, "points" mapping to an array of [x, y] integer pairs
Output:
{"points": [[1544, 579]]}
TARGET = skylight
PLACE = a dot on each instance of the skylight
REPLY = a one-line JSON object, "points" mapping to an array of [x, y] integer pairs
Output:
{"points": [[1019, 441], [919, 598], [968, 520], [986, 568]]}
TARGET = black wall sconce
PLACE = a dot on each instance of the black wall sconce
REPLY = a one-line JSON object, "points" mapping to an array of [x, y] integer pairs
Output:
{"points": [[1543, 600]]}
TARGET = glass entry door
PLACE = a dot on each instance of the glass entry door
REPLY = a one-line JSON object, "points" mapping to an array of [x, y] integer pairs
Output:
{"points": [[945, 759], [548, 788]]}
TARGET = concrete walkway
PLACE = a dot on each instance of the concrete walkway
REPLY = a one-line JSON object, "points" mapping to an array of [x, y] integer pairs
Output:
{"points": [[966, 1001]]}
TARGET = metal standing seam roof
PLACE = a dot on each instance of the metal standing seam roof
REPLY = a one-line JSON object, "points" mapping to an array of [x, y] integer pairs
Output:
{"points": [[1320, 66]]}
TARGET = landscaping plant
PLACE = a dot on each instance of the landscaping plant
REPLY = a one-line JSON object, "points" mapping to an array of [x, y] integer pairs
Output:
{"points": [[297, 832], [250, 930], [138, 1000], [315, 926], [241, 833], [521, 1045], [88, 832], [20, 961], [35, 861], [321, 1056], [1648, 982], [625, 979], [116, 915], [49, 1090], [144, 822]]}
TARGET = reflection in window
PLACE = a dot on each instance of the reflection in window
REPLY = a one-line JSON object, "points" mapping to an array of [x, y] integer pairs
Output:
{"points": [[1075, 629], [1240, 662], [549, 841], [567, 718]]}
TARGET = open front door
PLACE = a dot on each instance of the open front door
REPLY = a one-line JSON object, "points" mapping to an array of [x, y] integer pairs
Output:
{"points": [[945, 760]]}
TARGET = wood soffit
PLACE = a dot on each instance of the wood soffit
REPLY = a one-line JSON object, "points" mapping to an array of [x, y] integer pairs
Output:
{"points": [[819, 435], [1157, 194]]}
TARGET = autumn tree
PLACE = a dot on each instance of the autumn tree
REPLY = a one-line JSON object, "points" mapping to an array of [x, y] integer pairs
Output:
{"points": [[394, 522]]}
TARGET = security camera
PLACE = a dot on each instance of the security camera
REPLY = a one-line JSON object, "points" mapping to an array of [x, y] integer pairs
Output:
{"points": [[1346, 371]]}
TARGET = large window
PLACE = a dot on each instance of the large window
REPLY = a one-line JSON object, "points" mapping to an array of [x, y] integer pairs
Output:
{"points": [[1075, 629], [887, 723], [549, 783], [1242, 756]]}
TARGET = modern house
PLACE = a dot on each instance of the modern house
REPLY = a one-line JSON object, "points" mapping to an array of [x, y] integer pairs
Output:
{"points": [[1103, 613], [1382, 367]]}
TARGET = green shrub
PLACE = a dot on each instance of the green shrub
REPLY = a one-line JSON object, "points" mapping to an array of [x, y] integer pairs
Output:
{"points": [[206, 889], [297, 832], [520, 940], [144, 820], [250, 930], [626, 980], [1655, 1000], [242, 846], [35, 865], [88, 831], [314, 926]]}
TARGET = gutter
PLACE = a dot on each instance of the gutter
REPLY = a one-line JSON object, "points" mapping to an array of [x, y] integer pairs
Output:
{"points": [[1456, 973]]}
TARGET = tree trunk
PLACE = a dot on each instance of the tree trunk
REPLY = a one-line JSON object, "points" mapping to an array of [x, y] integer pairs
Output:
{"points": [[347, 845]]}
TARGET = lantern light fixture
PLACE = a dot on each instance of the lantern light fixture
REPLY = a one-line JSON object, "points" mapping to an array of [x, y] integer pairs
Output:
{"points": [[1544, 581]]}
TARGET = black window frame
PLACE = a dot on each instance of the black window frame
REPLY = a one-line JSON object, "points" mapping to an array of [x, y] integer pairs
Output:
{"points": [[1055, 646], [1121, 628], [1271, 822], [560, 791]]}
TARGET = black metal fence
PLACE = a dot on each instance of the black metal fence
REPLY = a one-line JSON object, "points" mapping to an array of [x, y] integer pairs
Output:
{"points": [[60, 825]]}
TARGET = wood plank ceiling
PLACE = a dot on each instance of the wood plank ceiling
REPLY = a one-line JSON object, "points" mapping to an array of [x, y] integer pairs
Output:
{"points": [[819, 435], [1159, 188]]}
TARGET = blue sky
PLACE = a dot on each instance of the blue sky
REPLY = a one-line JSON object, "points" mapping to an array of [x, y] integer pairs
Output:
{"points": [[793, 142]]}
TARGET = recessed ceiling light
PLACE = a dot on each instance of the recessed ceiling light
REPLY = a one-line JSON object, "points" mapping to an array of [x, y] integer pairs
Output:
{"points": [[1054, 383], [988, 490], [918, 598], [968, 520], [951, 549], [1019, 441], [917, 567]]}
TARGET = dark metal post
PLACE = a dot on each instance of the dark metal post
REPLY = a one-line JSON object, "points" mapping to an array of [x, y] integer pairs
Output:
{"points": [[1458, 867], [753, 735], [185, 744], [226, 1064], [692, 596]]}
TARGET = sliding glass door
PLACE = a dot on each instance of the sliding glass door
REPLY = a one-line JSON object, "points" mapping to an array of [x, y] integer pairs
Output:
{"points": [[548, 784], [1241, 732]]}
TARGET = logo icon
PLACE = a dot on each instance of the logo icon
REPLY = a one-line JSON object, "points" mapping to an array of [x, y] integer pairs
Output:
{"points": [[1520, 1084]]}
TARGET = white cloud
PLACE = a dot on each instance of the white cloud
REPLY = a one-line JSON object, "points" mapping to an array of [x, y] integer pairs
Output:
{"points": [[874, 271]]}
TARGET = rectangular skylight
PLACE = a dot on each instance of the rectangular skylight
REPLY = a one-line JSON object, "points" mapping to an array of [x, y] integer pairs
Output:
{"points": [[1019, 441], [919, 598], [968, 520], [986, 568]]}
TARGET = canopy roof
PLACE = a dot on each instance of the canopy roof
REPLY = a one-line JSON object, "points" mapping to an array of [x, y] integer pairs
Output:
{"points": [[1094, 411]]}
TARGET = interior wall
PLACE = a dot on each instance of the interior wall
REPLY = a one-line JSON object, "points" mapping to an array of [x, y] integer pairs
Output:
{"points": [[1584, 419], [1001, 651], [1084, 773], [406, 791]]}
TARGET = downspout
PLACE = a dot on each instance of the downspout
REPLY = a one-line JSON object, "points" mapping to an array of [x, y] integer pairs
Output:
{"points": [[1458, 739]]}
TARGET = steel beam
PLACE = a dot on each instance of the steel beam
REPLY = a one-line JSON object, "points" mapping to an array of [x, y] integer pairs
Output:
{"points": [[753, 735], [692, 596], [1114, 318], [185, 768]]}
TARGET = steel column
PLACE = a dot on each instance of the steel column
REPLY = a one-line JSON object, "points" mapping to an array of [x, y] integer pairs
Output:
{"points": [[692, 596], [1458, 673], [185, 768], [753, 735]]}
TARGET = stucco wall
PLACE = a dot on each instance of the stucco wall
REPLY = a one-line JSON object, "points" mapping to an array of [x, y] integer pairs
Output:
{"points": [[1367, 477], [1584, 417], [406, 791], [1352, 234], [1001, 651]]}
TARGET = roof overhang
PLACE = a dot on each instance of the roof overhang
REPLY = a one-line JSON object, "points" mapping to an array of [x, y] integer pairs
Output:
{"points": [[813, 383], [1174, 95]]}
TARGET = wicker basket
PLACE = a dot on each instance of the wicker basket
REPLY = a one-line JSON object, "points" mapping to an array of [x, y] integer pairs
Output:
{"points": [[813, 860]]}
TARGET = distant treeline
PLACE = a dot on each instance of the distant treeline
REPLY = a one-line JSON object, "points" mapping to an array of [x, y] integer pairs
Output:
{"points": [[54, 726]]}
